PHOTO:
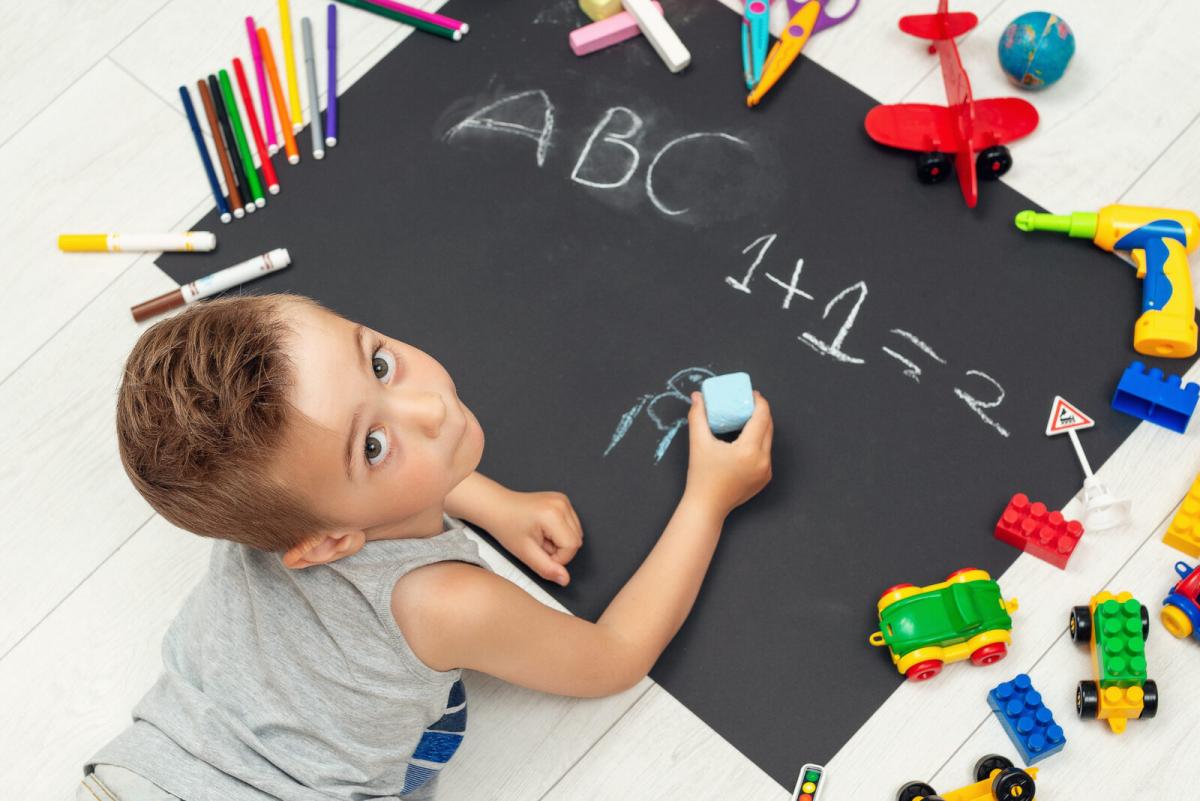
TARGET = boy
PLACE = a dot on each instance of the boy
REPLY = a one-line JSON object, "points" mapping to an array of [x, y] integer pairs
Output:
{"points": [[320, 657]]}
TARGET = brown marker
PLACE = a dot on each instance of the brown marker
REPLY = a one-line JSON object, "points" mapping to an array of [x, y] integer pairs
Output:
{"points": [[235, 200], [219, 281]]}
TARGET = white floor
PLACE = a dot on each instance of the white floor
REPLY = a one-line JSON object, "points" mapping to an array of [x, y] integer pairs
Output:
{"points": [[93, 138]]}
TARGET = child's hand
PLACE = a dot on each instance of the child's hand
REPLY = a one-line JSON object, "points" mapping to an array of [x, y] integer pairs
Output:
{"points": [[542, 530], [724, 475]]}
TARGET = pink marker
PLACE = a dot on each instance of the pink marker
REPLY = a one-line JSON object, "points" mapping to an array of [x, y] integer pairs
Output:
{"points": [[605, 33], [264, 90]]}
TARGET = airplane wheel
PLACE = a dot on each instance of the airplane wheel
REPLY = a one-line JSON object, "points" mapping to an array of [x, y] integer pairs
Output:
{"points": [[1149, 700], [933, 168], [1087, 699], [993, 162]]}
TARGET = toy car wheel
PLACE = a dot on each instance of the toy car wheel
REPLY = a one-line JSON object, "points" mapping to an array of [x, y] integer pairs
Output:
{"points": [[1176, 622], [993, 162], [989, 654], [1145, 622], [1013, 784], [933, 168], [1080, 624], [968, 574], [915, 790], [1087, 699], [1149, 700], [890, 590], [989, 763], [923, 671]]}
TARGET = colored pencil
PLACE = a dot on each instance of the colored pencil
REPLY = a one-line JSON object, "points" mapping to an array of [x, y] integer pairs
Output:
{"points": [[434, 19], [235, 200], [331, 78], [310, 74], [264, 155], [295, 113], [407, 19], [235, 159], [264, 91], [285, 124], [222, 206], [239, 135]]}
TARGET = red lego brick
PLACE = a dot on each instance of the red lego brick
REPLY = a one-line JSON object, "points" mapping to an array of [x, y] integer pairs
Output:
{"points": [[1034, 529]]}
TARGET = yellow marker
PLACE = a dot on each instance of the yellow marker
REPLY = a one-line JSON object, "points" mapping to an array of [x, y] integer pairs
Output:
{"points": [[119, 243], [785, 51], [289, 64]]}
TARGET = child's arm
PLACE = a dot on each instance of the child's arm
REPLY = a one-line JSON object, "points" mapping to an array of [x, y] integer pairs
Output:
{"points": [[456, 615]]}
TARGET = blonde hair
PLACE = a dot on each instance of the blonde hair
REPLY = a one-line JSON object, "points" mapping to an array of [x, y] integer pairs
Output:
{"points": [[202, 413]]}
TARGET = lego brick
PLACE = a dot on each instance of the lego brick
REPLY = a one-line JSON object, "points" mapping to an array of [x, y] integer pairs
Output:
{"points": [[1034, 529], [1120, 648], [1029, 723], [1120, 704], [1184, 531], [1156, 397]]}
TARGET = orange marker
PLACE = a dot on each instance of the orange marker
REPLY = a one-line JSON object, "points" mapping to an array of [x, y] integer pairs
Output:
{"points": [[285, 122]]}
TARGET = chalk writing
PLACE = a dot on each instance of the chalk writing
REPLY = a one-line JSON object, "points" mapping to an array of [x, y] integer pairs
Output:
{"points": [[744, 284], [978, 406], [617, 139], [481, 120], [913, 371], [658, 204], [668, 410], [834, 349]]}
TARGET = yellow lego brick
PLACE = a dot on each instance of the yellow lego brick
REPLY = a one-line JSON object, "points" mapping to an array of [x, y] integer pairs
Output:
{"points": [[1184, 531], [1120, 704]]}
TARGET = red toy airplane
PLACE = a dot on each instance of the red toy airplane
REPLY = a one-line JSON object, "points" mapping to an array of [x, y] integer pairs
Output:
{"points": [[965, 127]]}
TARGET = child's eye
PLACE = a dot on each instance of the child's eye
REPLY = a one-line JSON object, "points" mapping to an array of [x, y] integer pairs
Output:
{"points": [[383, 363], [376, 447]]}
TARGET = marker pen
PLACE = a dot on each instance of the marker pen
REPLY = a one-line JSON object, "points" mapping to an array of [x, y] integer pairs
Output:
{"points": [[219, 281], [119, 243]]}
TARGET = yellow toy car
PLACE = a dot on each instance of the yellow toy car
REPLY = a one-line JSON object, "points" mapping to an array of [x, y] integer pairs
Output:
{"points": [[997, 779]]}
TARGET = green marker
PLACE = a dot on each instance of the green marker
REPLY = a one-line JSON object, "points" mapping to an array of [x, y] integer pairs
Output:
{"points": [[239, 133]]}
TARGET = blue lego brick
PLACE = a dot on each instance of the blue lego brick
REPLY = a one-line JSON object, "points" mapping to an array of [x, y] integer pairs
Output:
{"points": [[729, 401], [1156, 397], [1030, 725]]}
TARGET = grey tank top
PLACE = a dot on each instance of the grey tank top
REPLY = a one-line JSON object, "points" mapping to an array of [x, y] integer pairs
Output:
{"points": [[298, 684]]}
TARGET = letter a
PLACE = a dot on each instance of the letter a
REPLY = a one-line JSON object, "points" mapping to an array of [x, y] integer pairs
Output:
{"points": [[481, 120]]}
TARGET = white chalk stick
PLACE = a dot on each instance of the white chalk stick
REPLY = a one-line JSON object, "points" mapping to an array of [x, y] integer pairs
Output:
{"points": [[605, 33], [662, 37]]}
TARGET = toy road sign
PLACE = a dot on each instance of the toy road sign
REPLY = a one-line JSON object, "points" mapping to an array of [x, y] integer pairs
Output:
{"points": [[1065, 416]]}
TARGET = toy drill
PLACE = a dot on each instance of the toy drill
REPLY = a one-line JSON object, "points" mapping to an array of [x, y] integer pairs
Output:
{"points": [[1158, 241]]}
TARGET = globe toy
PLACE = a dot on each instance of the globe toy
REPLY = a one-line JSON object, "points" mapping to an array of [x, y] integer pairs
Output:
{"points": [[1035, 49]]}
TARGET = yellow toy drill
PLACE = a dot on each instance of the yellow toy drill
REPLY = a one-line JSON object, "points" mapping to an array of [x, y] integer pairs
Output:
{"points": [[1158, 241]]}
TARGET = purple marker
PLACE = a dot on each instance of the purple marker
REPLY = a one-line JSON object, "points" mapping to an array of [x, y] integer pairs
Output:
{"points": [[331, 83], [263, 89]]}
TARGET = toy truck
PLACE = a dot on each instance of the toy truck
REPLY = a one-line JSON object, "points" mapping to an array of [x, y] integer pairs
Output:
{"points": [[996, 779], [1181, 608], [1115, 627], [962, 617]]}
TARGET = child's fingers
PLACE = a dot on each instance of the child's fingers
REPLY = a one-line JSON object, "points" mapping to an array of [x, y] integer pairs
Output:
{"points": [[566, 540], [698, 420], [759, 421], [545, 566]]}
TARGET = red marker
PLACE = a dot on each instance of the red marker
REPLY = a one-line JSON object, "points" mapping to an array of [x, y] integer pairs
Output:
{"points": [[263, 155]]}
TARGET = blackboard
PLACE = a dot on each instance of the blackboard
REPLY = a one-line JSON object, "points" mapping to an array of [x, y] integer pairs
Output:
{"points": [[561, 305]]}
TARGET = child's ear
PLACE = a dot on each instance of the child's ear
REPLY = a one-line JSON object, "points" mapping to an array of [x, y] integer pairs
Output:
{"points": [[320, 549]]}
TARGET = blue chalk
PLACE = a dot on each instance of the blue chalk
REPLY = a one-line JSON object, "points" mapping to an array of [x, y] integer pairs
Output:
{"points": [[729, 401], [1155, 397], [1030, 725]]}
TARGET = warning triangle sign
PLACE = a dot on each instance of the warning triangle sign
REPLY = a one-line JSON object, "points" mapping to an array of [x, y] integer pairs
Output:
{"points": [[1066, 416]]}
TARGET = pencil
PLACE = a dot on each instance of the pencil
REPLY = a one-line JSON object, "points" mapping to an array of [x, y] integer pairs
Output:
{"points": [[285, 124], [222, 206], [331, 80], [269, 177], [310, 73], [235, 160], [407, 19], [295, 113], [235, 201], [239, 136], [264, 91], [435, 19]]}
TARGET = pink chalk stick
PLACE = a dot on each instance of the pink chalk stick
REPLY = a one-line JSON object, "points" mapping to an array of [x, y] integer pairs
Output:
{"points": [[605, 33]]}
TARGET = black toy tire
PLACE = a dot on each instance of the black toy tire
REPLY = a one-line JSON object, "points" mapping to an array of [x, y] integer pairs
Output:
{"points": [[986, 764], [1080, 624], [990, 164], [1145, 622], [1087, 700], [1150, 700], [1013, 784], [933, 168], [914, 790]]}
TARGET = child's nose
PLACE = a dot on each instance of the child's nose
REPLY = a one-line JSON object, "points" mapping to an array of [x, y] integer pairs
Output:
{"points": [[425, 410]]}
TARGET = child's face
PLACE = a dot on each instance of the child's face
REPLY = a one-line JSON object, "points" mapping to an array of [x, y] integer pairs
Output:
{"points": [[391, 438]]}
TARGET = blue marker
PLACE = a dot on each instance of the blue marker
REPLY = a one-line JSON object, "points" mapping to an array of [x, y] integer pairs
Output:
{"points": [[222, 206], [756, 35]]}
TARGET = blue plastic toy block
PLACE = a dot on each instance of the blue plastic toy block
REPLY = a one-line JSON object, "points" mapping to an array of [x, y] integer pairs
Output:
{"points": [[1030, 725], [729, 401], [1155, 397]]}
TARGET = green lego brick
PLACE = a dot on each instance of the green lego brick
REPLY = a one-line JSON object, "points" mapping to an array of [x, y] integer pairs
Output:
{"points": [[1120, 647]]}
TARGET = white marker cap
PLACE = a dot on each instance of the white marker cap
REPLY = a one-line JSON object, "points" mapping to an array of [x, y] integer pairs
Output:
{"points": [[293, 159], [318, 154], [226, 216], [250, 208], [331, 141], [273, 189], [260, 202], [239, 213]]}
